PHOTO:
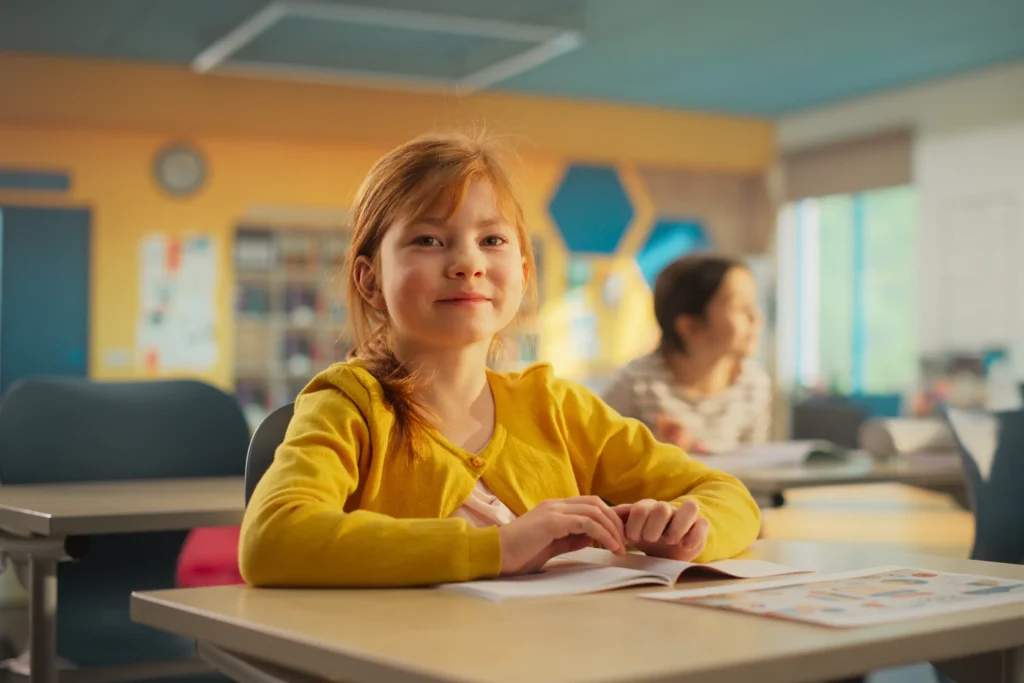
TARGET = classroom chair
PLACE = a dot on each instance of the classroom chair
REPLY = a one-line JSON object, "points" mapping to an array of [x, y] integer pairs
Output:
{"points": [[68, 430], [210, 556], [830, 418], [265, 440], [992, 448]]}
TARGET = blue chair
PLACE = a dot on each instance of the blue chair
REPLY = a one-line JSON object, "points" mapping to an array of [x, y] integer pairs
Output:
{"points": [[992, 448], [66, 430], [265, 440]]}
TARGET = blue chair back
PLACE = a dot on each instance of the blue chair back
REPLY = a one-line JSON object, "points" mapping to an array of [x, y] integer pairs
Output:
{"points": [[992, 448], [72, 430], [265, 441], [67, 430]]}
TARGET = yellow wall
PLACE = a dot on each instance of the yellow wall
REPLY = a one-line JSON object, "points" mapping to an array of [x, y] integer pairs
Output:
{"points": [[128, 96], [270, 143], [111, 175]]}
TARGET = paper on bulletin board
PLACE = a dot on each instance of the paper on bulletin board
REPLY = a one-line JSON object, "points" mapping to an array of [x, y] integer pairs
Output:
{"points": [[177, 300]]}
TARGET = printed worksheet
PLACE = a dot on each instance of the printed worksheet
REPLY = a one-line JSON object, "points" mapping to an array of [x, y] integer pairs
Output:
{"points": [[858, 598]]}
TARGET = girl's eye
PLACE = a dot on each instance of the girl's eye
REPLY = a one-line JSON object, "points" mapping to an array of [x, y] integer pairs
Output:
{"points": [[426, 241], [494, 241]]}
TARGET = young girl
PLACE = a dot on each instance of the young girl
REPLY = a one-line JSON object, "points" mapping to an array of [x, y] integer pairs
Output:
{"points": [[700, 390], [413, 463]]}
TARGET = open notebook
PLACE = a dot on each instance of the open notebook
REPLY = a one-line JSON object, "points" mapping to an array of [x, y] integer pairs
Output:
{"points": [[592, 570], [771, 455]]}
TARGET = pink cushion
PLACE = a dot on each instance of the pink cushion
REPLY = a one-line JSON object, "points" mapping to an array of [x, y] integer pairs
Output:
{"points": [[209, 557]]}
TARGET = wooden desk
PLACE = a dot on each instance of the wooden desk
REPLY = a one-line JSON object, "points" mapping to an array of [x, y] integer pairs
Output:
{"points": [[122, 506], [423, 635], [941, 472], [38, 518]]}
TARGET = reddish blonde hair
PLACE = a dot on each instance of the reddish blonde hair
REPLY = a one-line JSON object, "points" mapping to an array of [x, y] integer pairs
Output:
{"points": [[426, 174]]}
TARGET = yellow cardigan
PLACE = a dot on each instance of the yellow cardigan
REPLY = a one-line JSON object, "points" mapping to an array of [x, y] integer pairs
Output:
{"points": [[343, 504]]}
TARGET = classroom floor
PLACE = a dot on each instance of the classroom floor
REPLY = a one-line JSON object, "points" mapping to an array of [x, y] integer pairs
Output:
{"points": [[880, 515]]}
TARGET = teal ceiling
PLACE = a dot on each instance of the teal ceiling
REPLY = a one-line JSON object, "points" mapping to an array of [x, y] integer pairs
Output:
{"points": [[761, 57]]}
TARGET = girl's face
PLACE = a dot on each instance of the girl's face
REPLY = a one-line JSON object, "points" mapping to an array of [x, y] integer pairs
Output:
{"points": [[451, 282], [731, 325]]}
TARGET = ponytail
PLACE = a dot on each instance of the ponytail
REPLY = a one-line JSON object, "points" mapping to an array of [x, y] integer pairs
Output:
{"points": [[398, 384]]}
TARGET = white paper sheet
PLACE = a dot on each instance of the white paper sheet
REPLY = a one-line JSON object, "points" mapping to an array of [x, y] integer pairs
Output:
{"points": [[592, 570], [764, 455], [863, 597]]}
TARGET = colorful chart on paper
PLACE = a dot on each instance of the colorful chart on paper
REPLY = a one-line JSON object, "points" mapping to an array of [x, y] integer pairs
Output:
{"points": [[862, 598]]}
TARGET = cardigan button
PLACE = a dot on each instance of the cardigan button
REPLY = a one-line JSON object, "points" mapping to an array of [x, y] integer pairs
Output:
{"points": [[476, 462]]}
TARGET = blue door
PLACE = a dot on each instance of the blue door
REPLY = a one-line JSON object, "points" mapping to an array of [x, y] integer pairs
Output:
{"points": [[44, 293]]}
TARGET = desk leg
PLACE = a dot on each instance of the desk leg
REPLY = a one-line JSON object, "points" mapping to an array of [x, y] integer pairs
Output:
{"points": [[1004, 666], [43, 620]]}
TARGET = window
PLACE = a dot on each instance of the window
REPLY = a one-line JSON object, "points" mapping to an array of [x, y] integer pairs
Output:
{"points": [[846, 292]]}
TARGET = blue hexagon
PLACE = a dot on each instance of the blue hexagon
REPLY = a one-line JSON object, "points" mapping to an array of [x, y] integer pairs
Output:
{"points": [[669, 239], [591, 209]]}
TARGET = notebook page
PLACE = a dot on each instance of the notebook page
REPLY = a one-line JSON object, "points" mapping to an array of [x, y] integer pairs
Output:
{"points": [[750, 569], [569, 578], [669, 570]]}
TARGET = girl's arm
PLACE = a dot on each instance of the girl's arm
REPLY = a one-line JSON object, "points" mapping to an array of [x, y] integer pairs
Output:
{"points": [[619, 459], [296, 531]]}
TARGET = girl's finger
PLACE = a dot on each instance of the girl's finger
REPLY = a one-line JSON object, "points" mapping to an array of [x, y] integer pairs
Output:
{"points": [[696, 536], [613, 530], [588, 525], [599, 504], [683, 520], [638, 520], [656, 522]]}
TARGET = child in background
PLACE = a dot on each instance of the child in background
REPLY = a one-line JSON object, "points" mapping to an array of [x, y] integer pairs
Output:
{"points": [[413, 463], [701, 390]]}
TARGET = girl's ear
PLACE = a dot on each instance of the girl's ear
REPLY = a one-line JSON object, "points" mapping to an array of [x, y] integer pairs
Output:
{"points": [[687, 326], [366, 282]]}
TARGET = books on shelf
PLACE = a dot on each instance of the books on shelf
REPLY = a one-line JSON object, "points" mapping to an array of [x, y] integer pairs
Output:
{"points": [[593, 570], [290, 313]]}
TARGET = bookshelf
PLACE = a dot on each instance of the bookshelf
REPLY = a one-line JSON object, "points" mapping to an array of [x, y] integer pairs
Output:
{"points": [[290, 313]]}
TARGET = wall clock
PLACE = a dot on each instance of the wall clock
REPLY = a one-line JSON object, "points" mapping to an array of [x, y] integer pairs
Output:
{"points": [[180, 169]]}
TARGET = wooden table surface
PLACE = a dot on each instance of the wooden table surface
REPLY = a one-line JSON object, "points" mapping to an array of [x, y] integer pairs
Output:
{"points": [[424, 635], [122, 506]]}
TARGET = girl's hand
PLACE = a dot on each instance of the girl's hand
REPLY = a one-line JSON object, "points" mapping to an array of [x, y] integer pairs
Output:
{"points": [[676, 433], [658, 529], [559, 526]]}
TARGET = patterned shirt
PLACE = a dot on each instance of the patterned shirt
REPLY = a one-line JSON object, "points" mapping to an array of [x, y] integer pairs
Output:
{"points": [[739, 414]]}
